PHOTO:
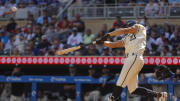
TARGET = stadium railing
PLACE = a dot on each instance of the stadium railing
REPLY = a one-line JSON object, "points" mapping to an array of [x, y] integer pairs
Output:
{"points": [[94, 12], [78, 81]]}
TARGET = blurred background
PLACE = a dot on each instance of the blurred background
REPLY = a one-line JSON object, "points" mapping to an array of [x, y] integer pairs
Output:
{"points": [[41, 27]]}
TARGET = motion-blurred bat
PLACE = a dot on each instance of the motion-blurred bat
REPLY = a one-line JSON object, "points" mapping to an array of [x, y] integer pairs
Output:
{"points": [[62, 52], [65, 51]]}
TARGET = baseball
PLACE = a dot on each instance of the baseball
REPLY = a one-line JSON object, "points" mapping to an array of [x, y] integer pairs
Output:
{"points": [[14, 9]]}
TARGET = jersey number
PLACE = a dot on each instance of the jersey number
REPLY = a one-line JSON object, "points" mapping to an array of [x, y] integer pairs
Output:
{"points": [[132, 37]]}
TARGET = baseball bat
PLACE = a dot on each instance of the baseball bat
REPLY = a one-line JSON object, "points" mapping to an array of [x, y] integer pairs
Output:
{"points": [[61, 52]]}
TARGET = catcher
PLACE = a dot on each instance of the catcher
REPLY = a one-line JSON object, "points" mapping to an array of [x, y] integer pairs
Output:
{"points": [[134, 43], [164, 72]]}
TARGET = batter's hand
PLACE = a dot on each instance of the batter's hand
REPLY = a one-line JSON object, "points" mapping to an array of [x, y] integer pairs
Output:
{"points": [[106, 36], [108, 44]]}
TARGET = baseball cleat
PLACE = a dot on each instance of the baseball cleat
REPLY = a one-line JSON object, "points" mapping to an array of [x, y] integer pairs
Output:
{"points": [[162, 96]]}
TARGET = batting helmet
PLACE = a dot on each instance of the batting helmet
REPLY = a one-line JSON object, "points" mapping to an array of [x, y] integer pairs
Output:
{"points": [[130, 23]]}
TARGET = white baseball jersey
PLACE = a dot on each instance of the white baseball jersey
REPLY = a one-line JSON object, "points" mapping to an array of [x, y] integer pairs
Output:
{"points": [[135, 43]]}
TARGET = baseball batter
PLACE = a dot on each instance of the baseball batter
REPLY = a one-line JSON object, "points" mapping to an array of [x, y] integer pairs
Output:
{"points": [[134, 43]]}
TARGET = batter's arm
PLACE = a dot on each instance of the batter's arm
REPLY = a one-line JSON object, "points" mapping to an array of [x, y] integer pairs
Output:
{"points": [[117, 44], [128, 30]]}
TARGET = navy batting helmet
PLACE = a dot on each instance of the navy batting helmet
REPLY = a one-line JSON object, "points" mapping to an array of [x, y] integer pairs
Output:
{"points": [[130, 23]]}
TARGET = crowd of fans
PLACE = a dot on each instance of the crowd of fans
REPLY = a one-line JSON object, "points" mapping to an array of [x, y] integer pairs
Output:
{"points": [[44, 36]]}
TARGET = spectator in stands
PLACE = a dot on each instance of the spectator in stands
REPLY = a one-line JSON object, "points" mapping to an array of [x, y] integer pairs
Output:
{"points": [[54, 20], [146, 52], [162, 3], [31, 19], [118, 22], [174, 52], [38, 34], [99, 48], [149, 42], [28, 51], [79, 24], [44, 45], [32, 8], [1, 48], [45, 23], [54, 3], [91, 91], [75, 38], [88, 37], [152, 8], [21, 4], [176, 30], [9, 46], [10, 3], [28, 33], [106, 52], [20, 43], [167, 30], [51, 33], [57, 45], [119, 52], [2, 8], [160, 41], [145, 22], [17, 89], [4, 37], [154, 51], [178, 49], [42, 2], [64, 24], [91, 51], [64, 29], [40, 20], [176, 39], [16, 52], [165, 51], [11, 26], [177, 87], [104, 28]]}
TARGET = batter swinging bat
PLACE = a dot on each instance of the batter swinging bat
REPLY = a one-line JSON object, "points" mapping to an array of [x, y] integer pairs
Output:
{"points": [[61, 52]]}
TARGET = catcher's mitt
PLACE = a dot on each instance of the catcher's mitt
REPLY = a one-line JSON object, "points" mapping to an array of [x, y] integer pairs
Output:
{"points": [[163, 72]]}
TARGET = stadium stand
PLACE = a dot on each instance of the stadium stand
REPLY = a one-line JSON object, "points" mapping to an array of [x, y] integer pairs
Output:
{"points": [[36, 29]]}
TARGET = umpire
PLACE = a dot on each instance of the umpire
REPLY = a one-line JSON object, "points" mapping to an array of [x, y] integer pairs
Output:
{"points": [[17, 89]]}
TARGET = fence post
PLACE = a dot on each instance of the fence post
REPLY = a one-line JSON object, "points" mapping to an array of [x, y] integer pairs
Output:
{"points": [[78, 91], [34, 91], [124, 94]]}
